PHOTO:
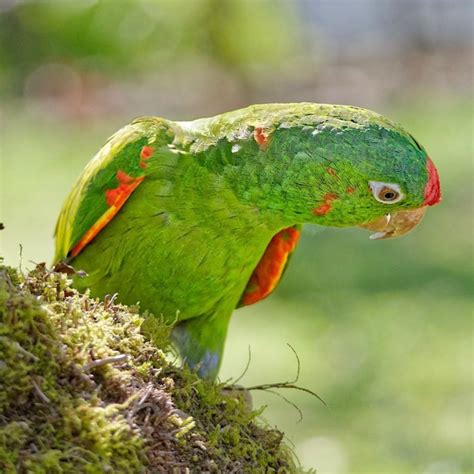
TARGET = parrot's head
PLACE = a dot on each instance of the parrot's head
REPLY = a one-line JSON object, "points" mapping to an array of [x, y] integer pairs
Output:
{"points": [[365, 171]]}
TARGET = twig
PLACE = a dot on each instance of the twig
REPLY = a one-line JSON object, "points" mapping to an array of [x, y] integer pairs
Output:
{"points": [[294, 405], [246, 367], [106, 360], [145, 395], [298, 363], [289, 384], [40, 393], [284, 385], [140, 403], [25, 352]]}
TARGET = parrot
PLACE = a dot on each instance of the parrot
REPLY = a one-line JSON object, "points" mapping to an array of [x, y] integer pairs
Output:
{"points": [[194, 219]]}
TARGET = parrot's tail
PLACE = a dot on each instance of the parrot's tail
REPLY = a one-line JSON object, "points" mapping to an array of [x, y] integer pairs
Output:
{"points": [[200, 342]]}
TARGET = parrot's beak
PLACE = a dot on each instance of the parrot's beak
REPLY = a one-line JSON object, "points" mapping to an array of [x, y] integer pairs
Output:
{"points": [[394, 225]]}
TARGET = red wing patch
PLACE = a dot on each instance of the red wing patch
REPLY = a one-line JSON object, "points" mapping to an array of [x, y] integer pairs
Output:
{"points": [[261, 137], [127, 184], [270, 268], [115, 199], [145, 154]]}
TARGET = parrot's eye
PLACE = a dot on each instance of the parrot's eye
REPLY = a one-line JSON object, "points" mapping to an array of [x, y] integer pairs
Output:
{"points": [[387, 193]]}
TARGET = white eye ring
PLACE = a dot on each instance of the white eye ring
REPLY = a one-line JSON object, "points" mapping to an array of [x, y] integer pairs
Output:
{"points": [[386, 193]]}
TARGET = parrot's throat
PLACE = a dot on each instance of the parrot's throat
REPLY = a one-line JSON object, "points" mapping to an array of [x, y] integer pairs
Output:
{"points": [[271, 266]]}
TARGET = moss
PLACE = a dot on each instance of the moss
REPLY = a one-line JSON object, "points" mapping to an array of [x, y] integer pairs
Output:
{"points": [[83, 390]]}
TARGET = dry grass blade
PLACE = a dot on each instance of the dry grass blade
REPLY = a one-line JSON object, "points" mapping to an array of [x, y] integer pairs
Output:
{"points": [[289, 384], [106, 360]]}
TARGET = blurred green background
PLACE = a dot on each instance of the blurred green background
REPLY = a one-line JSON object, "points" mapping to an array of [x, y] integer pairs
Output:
{"points": [[383, 329]]}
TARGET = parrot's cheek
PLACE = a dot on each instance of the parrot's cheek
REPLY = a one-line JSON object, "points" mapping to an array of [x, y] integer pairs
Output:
{"points": [[396, 224]]}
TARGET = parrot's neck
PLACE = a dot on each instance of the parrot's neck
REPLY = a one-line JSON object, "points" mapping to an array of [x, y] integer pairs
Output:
{"points": [[281, 181]]}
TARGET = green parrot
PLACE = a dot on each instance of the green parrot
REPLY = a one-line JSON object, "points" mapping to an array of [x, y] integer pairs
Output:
{"points": [[195, 219]]}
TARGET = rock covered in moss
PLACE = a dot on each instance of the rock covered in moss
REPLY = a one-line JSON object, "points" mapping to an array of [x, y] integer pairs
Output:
{"points": [[83, 390]]}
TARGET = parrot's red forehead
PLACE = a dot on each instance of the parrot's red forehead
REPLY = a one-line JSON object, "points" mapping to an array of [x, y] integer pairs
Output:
{"points": [[432, 188]]}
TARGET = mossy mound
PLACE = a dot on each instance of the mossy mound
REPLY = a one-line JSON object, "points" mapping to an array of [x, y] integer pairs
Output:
{"points": [[83, 390]]}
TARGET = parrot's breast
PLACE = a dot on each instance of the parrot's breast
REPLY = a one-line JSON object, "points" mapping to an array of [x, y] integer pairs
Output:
{"points": [[181, 251]]}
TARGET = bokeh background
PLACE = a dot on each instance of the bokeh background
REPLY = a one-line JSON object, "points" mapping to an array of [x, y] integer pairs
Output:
{"points": [[383, 329]]}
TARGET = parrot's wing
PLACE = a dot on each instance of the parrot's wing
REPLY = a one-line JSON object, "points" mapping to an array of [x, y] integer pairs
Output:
{"points": [[271, 266], [107, 182]]}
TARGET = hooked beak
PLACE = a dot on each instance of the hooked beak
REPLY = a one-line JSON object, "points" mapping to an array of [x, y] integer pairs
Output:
{"points": [[395, 225]]}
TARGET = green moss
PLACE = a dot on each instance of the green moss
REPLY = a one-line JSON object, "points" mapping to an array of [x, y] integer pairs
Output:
{"points": [[83, 390]]}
